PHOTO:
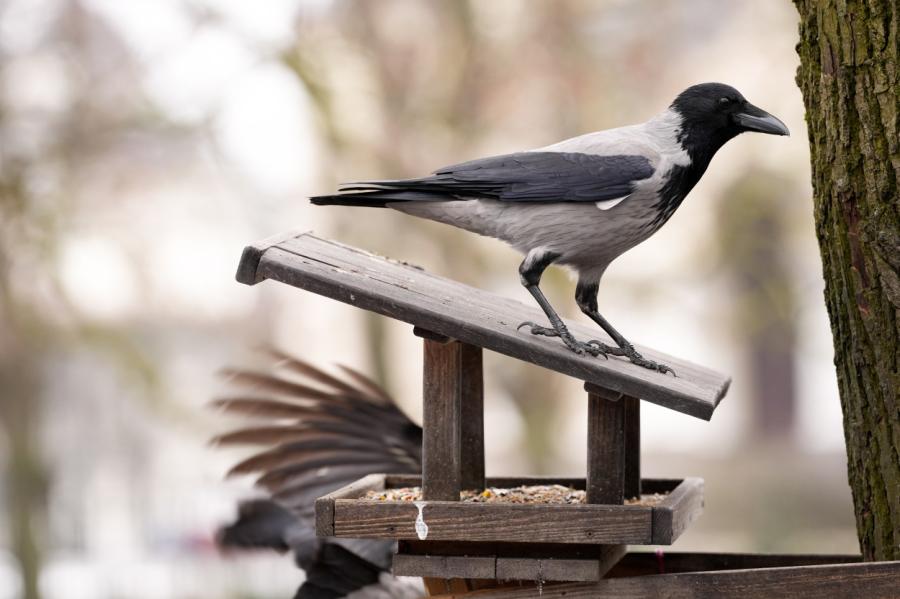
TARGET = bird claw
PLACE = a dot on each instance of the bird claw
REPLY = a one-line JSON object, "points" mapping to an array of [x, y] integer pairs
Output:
{"points": [[609, 350], [597, 348], [650, 364], [537, 329], [633, 356], [640, 360], [573, 344]]}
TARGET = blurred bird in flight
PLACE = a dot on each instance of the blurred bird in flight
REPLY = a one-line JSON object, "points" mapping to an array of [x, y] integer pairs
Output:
{"points": [[319, 432]]}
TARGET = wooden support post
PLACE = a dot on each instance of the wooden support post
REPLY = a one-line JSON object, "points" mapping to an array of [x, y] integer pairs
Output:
{"points": [[453, 417], [472, 389], [632, 447], [606, 448], [441, 416]]}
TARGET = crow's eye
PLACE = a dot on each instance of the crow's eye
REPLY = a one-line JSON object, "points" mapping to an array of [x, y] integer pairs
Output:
{"points": [[724, 101]]}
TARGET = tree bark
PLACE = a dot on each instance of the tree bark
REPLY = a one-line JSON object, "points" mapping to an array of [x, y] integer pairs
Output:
{"points": [[849, 75]]}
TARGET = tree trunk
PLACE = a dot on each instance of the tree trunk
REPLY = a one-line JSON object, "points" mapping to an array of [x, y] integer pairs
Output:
{"points": [[849, 75]]}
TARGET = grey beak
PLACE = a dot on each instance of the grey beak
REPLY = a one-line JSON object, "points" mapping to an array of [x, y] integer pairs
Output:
{"points": [[752, 118]]}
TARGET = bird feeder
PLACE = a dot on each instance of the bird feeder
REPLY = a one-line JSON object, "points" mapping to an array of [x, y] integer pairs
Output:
{"points": [[446, 540]]}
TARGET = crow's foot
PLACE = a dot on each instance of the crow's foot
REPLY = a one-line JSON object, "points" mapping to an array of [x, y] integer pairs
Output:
{"points": [[576, 346], [632, 354]]}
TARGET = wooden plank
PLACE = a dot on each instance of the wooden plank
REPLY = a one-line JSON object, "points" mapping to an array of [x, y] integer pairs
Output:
{"points": [[677, 510], [477, 317], [645, 563], [324, 505], [632, 447], [556, 569], [568, 570], [547, 567], [249, 264], [441, 413], [436, 587], [455, 521], [873, 580], [498, 549], [606, 451], [437, 566], [472, 420]]}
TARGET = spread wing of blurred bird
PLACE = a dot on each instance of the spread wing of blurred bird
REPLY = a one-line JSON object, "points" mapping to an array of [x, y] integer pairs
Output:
{"points": [[317, 432]]}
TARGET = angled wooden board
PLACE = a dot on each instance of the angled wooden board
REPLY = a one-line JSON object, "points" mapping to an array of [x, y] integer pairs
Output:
{"points": [[410, 294]]}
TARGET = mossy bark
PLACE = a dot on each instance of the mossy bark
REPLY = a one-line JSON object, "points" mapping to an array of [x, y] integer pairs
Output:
{"points": [[850, 77]]}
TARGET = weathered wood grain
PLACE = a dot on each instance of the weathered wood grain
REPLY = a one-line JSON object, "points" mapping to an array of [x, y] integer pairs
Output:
{"points": [[490, 566], [436, 566], [472, 419], [342, 514], [497, 549], [441, 413], [324, 505], [606, 450], [632, 447], [249, 264], [644, 563], [457, 311], [677, 510], [873, 580], [553, 569], [568, 570], [531, 523]]}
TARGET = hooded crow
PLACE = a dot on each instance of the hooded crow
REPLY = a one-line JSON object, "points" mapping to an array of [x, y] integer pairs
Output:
{"points": [[581, 202]]}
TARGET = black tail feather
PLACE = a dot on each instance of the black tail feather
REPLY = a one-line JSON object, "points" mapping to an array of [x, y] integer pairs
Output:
{"points": [[371, 197]]}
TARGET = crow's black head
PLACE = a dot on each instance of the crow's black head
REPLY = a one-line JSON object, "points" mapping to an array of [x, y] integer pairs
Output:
{"points": [[713, 113]]}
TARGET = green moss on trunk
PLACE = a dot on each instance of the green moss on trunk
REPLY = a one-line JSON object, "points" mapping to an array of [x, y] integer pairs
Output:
{"points": [[850, 77]]}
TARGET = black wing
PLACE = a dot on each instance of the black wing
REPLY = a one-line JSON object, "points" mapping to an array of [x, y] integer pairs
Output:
{"points": [[319, 432], [520, 177]]}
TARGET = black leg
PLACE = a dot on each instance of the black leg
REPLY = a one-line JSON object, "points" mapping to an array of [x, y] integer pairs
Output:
{"points": [[586, 297], [530, 271]]}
